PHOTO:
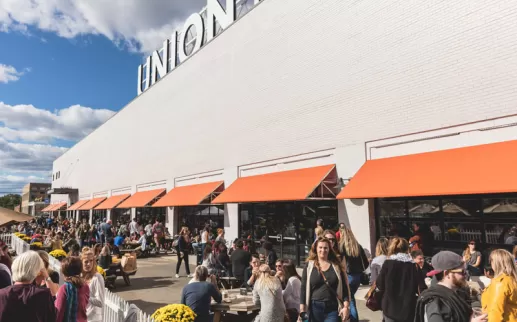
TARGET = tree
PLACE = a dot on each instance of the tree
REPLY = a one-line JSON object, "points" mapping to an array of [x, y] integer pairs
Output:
{"points": [[10, 201]]}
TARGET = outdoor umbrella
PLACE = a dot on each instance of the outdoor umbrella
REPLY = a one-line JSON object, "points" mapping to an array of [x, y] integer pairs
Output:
{"points": [[452, 208]]}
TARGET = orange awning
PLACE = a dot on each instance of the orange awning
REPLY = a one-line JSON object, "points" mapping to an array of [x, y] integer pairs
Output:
{"points": [[92, 203], [481, 169], [190, 195], [112, 202], [141, 199], [57, 206], [47, 208], [279, 186], [78, 204]]}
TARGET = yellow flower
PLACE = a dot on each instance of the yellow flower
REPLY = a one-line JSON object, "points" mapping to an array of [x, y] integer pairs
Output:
{"points": [[58, 253], [101, 271], [174, 313], [37, 244]]}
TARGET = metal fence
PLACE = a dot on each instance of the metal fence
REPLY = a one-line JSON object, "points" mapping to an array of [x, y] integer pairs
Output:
{"points": [[115, 308]]}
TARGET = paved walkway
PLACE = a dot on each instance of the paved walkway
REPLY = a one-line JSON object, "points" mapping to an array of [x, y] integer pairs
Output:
{"points": [[154, 286]]}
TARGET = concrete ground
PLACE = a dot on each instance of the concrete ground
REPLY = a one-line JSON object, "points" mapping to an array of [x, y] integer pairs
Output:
{"points": [[154, 286]]}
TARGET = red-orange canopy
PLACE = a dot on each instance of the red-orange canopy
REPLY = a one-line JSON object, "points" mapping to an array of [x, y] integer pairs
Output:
{"points": [[189, 195], [141, 199], [112, 202], [481, 169], [78, 204], [278, 186]]}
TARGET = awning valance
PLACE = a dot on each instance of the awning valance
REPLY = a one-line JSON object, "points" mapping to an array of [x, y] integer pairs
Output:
{"points": [[141, 199], [47, 208], [481, 169], [300, 184], [112, 202], [57, 206], [92, 203], [78, 204], [191, 195]]}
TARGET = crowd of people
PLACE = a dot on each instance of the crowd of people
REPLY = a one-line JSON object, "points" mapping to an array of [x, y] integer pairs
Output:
{"points": [[408, 286], [452, 287]]}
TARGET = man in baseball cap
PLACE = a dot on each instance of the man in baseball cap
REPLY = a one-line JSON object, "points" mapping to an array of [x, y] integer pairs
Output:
{"points": [[443, 301]]}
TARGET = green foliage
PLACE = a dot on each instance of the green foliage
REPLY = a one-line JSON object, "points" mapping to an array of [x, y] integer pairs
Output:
{"points": [[10, 201]]}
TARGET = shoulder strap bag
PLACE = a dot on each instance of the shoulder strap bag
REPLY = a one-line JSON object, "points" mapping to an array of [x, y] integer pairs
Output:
{"points": [[333, 291]]}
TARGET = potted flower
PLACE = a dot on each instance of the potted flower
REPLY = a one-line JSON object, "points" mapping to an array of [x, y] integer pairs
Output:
{"points": [[454, 234], [19, 235], [36, 246], [174, 313], [58, 254], [26, 239], [101, 271]]}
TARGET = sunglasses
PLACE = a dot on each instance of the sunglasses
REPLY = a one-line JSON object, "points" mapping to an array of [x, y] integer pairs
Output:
{"points": [[278, 265], [472, 243]]}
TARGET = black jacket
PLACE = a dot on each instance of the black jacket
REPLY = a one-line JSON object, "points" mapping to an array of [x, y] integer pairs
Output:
{"points": [[400, 282], [240, 260], [358, 264]]}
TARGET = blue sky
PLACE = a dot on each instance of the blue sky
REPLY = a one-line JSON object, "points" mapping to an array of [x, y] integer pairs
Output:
{"points": [[66, 66]]}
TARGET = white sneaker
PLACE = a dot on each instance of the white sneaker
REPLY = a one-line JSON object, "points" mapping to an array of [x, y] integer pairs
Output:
{"points": [[190, 275], [177, 276]]}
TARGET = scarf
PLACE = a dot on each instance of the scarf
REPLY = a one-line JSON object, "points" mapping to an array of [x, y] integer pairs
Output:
{"points": [[459, 308], [71, 303], [401, 257]]}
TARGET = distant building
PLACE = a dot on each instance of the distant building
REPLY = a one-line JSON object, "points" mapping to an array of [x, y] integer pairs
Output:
{"points": [[33, 197]]}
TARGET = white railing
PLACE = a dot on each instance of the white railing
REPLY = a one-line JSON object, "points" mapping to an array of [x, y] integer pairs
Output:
{"points": [[6, 238], [19, 245], [115, 308]]}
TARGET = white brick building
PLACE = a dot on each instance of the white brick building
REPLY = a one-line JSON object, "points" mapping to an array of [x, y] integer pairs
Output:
{"points": [[302, 83]]}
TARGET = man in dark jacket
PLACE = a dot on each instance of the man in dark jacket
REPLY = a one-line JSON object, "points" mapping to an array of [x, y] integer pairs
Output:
{"points": [[240, 260], [443, 301]]}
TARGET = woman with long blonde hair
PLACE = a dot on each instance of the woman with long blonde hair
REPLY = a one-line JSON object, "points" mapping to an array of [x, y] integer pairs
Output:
{"points": [[325, 293], [381, 252], [357, 263], [95, 307], [499, 300], [267, 293]]}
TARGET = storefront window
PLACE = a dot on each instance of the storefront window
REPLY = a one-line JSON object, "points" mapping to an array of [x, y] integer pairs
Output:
{"points": [[120, 215], [288, 226], [393, 219], [197, 217], [426, 214], [149, 215], [500, 217], [99, 216], [454, 221]]}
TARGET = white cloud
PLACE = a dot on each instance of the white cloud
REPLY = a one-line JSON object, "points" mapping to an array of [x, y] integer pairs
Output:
{"points": [[9, 73], [28, 123], [28, 158], [15, 183], [136, 24]]}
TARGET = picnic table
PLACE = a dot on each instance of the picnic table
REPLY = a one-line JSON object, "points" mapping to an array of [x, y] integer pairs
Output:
{"points": [[238, 303]]}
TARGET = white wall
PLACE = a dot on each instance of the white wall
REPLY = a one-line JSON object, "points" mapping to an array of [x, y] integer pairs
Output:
{"points": [[299, 76]]}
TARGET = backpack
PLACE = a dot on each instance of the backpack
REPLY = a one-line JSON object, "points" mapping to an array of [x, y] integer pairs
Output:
{"points": [[176, 242]]}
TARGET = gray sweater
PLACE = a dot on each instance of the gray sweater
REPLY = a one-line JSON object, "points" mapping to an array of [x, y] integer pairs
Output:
{"points": [[272, 308]]}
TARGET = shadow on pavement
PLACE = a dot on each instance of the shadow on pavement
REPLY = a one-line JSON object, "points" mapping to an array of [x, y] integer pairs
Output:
{"points": [[144, 283]]}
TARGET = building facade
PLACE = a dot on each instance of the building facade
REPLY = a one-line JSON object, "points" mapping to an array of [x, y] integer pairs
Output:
{"points": [[303, 84], [33, 197]]}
